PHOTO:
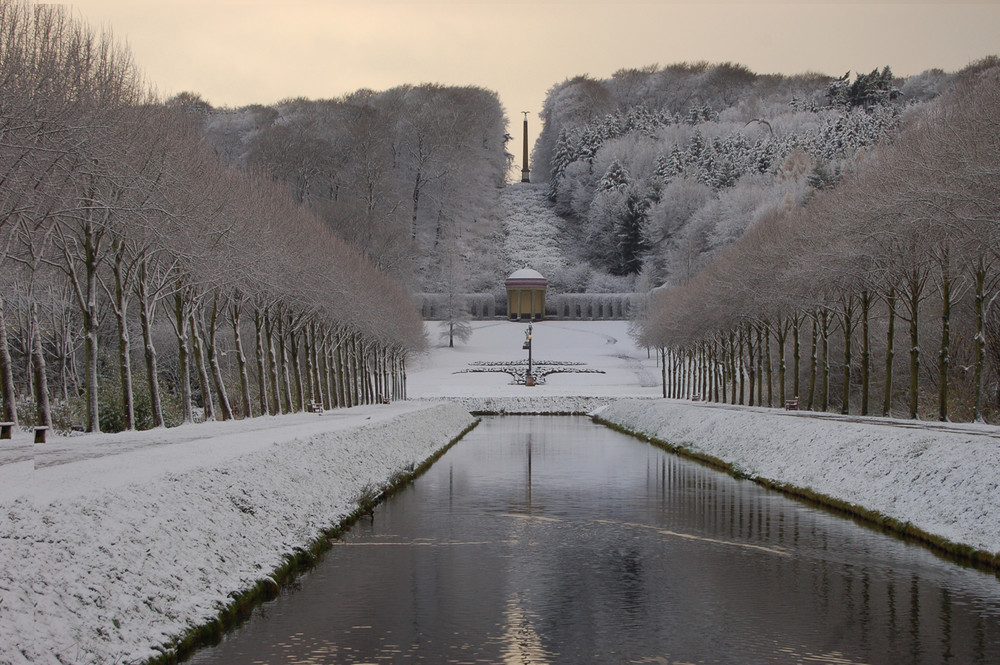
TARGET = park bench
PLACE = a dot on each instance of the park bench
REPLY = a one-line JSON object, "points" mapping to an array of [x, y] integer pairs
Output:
{"points": [[6, 430], [40, 433], [696, 397], [316, 407], [792, 404]]}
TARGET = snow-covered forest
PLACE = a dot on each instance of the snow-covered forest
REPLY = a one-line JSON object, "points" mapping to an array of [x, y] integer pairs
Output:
{"points": [[409, 176], [130, 254], [874, 292], [660, 168]]}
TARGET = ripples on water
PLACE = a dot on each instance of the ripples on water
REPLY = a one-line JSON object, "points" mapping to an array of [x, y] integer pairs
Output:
{"points": [[554, 540]]}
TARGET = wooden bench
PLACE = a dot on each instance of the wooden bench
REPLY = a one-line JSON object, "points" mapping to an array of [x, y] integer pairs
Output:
{"points": [[696, 397], [792, 404], [40, 433], [6, 430], [315, 407], [383, 400]]}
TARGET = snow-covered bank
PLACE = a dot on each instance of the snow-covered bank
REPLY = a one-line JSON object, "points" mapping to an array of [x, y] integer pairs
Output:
{"points": [[105, 559], [943, 483]]}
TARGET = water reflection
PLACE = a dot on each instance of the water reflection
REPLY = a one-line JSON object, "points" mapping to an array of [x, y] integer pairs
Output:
{"points": [[552, 540]]}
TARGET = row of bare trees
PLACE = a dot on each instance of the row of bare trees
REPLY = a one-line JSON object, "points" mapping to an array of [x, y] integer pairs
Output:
{"points": [[904, 251], [113, 211]]}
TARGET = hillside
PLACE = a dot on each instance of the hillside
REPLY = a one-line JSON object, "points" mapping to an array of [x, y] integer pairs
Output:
{"points": [[658, 169]]}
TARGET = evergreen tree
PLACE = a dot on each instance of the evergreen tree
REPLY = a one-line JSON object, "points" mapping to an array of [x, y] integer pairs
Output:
{"points": [[725, 175], [631, 234], [616, 178], [665, 169]]}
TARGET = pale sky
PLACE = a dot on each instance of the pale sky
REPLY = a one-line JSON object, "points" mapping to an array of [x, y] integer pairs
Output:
{"points": [[237, 52]]}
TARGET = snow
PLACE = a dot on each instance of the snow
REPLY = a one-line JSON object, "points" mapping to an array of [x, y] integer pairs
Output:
{"points": [[112, 545], [113, 552], [944, 480], [531, 230], [525, 273], [603, 345]]}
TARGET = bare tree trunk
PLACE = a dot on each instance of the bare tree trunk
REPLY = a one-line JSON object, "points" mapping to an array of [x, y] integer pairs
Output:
{"points": [[944, 354], [663, 369], [63, 349], [357, 370], [701, 351], [213, 363], [366, 373], [812, 362], [733, 354], [751, 363], [865, 352], [314, 355], [85, 287], [235, 318], [283, 362], [336, 376], [198, 348], [343, 372], [824, 384], [796, 354], [182, 332], [124, 342], [890, 338], [293, 344], [403, 366], [326, 375], [760, 366], [352, 371], [147, 310], [781, 335], [258, 324], [847, 324], [767, 364], [979, 362], [44, 412], [90, 351], [272, 363], [8, 409], [742, 367], [914, 304]]}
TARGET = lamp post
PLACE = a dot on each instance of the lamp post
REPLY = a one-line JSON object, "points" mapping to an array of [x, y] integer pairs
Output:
{"points": [[529, 379]]}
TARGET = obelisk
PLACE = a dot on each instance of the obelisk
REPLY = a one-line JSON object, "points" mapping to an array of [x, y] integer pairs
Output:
{"points": [[524, 168]]}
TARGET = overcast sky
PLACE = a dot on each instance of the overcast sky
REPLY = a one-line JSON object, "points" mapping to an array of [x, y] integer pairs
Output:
{"points": [[236, 52]]}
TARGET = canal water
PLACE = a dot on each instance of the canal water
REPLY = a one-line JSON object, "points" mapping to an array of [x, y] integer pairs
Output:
{"points": [[555, 540]]}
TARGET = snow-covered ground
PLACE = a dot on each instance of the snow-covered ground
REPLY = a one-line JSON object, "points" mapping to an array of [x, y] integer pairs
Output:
{"points": [[944, 480], [602, 345], [109, 553], [531, 229], [111, 545]]}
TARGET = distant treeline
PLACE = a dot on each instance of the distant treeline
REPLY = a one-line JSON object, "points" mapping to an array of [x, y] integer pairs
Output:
{"points": [[119, 222]]}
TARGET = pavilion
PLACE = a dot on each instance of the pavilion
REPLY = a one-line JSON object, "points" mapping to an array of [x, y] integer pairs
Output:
{"points": [[526, 295]]}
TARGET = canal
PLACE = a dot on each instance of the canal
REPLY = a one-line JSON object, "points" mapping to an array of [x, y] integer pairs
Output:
{"points": [[554, 540]]}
